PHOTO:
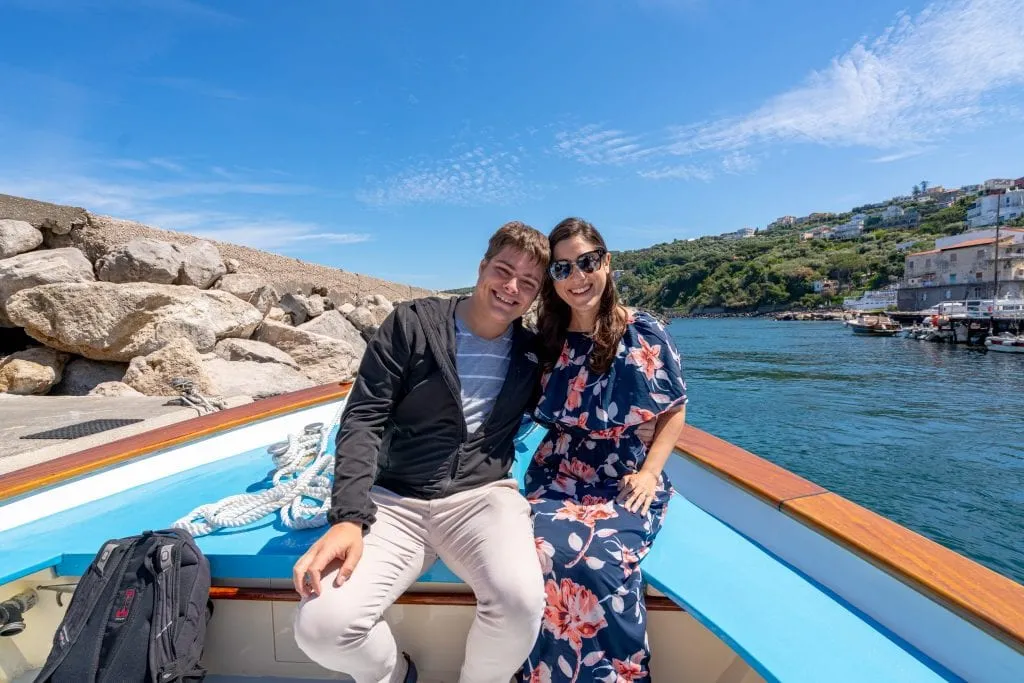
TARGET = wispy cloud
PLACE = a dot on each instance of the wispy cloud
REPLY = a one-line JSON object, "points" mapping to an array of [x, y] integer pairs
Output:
{"points": [[922, 79], [473, 177], [678, 172], [195, 86], [899, 156], [736, 163], [595, 145], [159, 203], [592, 180], [926, 77]]}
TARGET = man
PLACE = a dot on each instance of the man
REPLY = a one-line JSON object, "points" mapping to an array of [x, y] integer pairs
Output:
{"points": [[424, 452]]}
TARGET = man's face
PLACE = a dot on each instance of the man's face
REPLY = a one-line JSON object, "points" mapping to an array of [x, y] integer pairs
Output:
{"points": [[508, 284]]}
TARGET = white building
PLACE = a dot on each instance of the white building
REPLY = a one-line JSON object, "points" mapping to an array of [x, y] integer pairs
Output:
{"points": [[998, 184], [739, 234], [983, 210], [892, 211]]}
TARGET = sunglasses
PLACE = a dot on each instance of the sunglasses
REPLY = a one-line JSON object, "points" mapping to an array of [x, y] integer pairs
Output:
{"points": [[588, 263]]}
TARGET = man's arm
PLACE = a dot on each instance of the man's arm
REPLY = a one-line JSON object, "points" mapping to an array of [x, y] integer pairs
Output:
{"points": [[367, 410]]}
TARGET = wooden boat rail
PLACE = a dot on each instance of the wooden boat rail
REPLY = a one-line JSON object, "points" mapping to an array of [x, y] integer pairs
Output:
{"points": [[655, 603], [985, 597]]}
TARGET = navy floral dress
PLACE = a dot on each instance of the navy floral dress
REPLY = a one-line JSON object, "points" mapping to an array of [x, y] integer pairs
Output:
{"points": [[590, 546]]}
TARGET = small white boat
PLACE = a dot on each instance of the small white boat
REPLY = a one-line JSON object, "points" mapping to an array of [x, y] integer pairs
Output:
{"points": [[1005, 343], [758, 574]]}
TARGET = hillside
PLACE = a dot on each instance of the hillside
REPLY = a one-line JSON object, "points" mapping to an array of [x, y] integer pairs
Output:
{"points": [[775, 268]]}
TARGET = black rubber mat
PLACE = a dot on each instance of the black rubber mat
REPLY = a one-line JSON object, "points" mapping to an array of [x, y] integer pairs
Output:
{"points": [[82, 429]]}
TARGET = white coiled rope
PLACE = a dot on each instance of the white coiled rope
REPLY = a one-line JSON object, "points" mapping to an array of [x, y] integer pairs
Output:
{"points": [[301, 490]]}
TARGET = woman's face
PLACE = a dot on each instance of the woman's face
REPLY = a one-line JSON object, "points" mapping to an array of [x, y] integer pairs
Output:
{"points": [[581, 290]]}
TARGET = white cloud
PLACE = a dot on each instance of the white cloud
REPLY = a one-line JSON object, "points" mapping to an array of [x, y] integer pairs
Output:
{"points": [[159, 203], [899, 156], [922, 79], [592, 180], [738, 162], [595, 145], [679, 172], [473, 177]]}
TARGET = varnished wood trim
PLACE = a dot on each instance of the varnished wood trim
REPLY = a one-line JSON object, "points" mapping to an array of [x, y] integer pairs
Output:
{"points": [[983, 596], [655, 603], [767, 480], [76, 464]]}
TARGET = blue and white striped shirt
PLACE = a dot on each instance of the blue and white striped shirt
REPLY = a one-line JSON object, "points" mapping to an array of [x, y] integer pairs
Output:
{"points": [[482, 366]]}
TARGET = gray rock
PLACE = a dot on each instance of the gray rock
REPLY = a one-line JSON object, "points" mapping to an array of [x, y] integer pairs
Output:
{"points": [[17, 237], [250, 378], [202, 265], [114, 389], [252, 350], [153, 374], [249, 288], [315, 305], [297, 306], [40, 268], [364, 320], [323, 359], [106, 321], [232, 265], [333, 324], [82, 375], [142, 260], [32, 371], [346, 308]]}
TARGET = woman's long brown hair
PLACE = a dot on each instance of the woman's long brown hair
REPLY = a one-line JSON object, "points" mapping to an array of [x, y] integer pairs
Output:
{"points": [[554, 314]]}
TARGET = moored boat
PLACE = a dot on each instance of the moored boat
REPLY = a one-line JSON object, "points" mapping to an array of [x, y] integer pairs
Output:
{"points": [[757, 575], [1005, 343], [879, 325]]}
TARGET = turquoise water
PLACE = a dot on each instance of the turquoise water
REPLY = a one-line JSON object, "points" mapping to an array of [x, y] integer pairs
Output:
{"points": [[928, 435]]}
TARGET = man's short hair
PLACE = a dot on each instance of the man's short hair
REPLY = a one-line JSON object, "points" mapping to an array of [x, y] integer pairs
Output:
{"points": [[521, 236]]}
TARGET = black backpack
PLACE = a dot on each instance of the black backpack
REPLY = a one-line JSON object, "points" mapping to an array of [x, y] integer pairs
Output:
{"points": [[138, 614]]}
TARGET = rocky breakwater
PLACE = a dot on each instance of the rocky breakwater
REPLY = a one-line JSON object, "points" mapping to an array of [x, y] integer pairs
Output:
{"points": [[143, 315]]}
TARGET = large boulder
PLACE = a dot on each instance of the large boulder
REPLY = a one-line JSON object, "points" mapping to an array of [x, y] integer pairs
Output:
{"points": [[142, 260], [249, 378], [202, 265], [82, 375], [249, 288], [17, 237], [254, 351], [40, 268], [323, 359], [106, 321], [154, 374], [32, 371], [333, 324]]}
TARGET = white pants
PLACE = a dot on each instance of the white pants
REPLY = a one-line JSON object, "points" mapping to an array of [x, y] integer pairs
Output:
{"points": [[485, 536]]}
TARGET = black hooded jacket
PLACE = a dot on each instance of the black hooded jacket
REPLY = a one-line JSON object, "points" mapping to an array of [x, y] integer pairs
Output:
{"points": [[403, 427]]}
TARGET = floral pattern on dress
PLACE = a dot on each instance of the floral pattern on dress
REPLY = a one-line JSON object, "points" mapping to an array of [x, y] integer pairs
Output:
{"points": [[590, 547]]}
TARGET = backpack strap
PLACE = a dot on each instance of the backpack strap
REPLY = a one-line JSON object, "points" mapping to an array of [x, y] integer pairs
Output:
{"points": [[83, 605]]}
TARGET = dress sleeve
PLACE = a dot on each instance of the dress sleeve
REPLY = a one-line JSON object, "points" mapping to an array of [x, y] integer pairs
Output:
{"points": [[652, 370]]}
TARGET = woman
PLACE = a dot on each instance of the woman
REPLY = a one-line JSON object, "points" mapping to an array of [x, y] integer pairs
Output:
{"points": [[598, 495]]}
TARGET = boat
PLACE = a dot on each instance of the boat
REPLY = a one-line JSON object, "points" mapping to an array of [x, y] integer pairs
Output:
{"points": [[881, 299], [879, 325], [1005, 343], [757, 575]]}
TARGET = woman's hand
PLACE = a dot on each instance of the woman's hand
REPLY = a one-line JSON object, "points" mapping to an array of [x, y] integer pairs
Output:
{"points": [[636, 491]]}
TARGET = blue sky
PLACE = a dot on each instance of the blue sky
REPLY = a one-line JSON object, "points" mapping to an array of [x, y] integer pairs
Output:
{"points": [[391, 138]]}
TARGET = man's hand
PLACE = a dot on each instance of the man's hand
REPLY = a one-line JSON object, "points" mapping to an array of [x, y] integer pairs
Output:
{"points": [[343, 542]]}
